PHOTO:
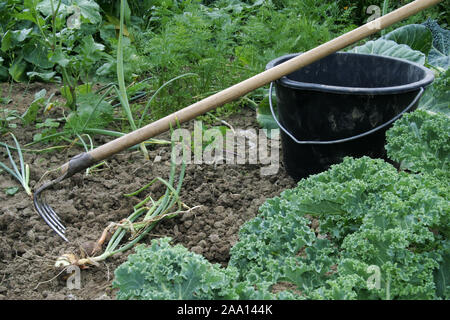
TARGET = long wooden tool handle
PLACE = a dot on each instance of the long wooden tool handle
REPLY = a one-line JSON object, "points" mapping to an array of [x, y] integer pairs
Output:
{"points": [[238, 90]]}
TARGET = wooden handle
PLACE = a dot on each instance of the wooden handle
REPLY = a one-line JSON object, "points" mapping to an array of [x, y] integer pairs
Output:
{"points": [[238, 90]]}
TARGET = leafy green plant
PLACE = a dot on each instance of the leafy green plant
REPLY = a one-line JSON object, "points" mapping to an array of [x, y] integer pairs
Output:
{"points": [[416, 36], [147, 272], [44, 36], [360, 11], [225, 42], [392, 49], [40, 103], [324, 237], [161, 272], [361, 230], [264, 115], [439, 56], [121, 91], [93, 111], [74, 52], [6, 118], [420, 142], [328, 235], [22, 175], [367, 214], [151, 211], [437, 96]]}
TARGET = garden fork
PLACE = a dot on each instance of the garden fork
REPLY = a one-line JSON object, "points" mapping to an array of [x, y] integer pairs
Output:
{"points": [[87, 159]]}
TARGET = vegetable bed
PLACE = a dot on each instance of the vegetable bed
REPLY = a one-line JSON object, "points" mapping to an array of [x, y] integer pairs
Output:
{"points": [[228, 195], [364, 229]]}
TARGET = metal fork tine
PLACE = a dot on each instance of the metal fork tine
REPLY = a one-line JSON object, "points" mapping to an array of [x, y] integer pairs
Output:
{"points": [[74, 165], [52, 215], [49, 210], [48, 214], [50, 223], [43, 211]]}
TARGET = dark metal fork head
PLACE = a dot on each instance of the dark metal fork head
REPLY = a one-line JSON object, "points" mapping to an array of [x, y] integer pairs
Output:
{"points": [[76, 164], [46, 212]]}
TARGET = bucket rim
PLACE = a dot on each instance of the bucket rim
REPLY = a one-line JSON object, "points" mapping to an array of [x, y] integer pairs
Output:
{"points": [[413, 86]]}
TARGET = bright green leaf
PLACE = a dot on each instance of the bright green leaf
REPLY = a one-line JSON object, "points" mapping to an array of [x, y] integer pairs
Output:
{"points": [[30, 115], [11, 191], [91, 113], [17, 70], [90, 50], [45, 7], [420, 142], [439, 55], [416, 36], [43, 76], [438, 59], [4, 74], [89, 10], [37, 54], [437, 96], [48, 123], [392, 49], [11, 38], [60, 57], [264, 115]]}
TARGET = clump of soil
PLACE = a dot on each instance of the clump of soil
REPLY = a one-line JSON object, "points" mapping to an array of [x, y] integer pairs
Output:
{"points": [[227, 195]]}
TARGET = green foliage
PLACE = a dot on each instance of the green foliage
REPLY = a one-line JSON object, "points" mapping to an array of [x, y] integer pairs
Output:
{"points": [[264, 115], [22, 172], [368, 214], [420, 142], [439, 55], [41, 36], [326, 237], [392, 49], [92, 112], [226, 42], [164, 272], [416, 36], [437, 96], [7, 116], [360, 11], [420, 43], [31, 113], [161, 271]]}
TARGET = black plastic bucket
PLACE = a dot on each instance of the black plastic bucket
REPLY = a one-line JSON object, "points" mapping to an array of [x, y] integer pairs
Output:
{"points": [[341, 106]]}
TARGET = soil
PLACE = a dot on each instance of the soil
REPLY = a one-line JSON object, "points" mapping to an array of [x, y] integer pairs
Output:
{"points": [[225, 196]]}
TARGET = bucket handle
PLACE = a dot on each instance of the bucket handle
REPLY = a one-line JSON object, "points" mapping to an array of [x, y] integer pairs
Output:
{"points": [[419, 95]]}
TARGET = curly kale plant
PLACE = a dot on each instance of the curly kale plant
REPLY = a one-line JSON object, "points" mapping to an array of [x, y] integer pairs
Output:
{"points": [[381, 234], [165, 272], [420, 142], [361, 230]]}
